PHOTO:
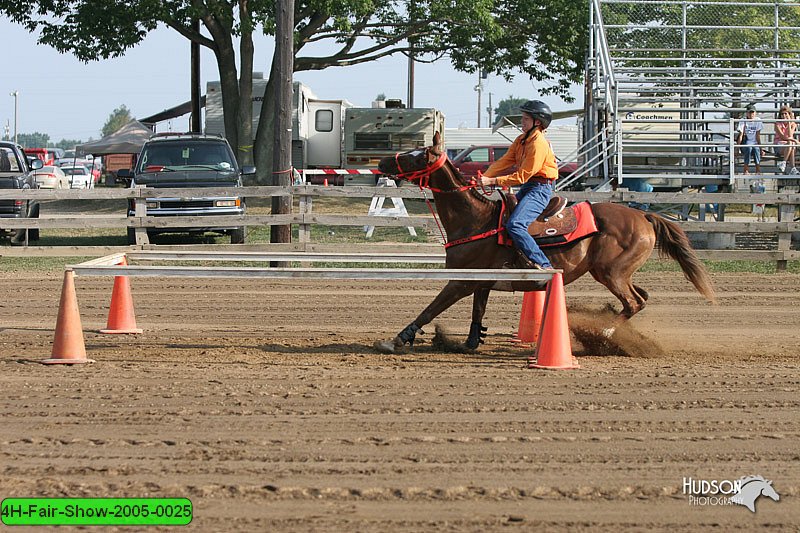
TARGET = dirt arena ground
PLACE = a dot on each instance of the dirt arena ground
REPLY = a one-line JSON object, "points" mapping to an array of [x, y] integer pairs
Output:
{"points": [[265, 404]]}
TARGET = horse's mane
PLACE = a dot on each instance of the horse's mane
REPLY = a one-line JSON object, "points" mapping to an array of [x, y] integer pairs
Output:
{"points": [[474, 192], [748, 479]]}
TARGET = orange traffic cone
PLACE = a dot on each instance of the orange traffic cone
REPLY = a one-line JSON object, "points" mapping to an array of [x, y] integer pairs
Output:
{"points": [[325, 182], [121, 318], [530, 317], [68, 346], [554, 350]]}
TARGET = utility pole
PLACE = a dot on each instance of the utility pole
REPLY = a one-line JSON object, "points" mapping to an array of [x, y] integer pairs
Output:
{"points": [[411, 79], [282, 132], [15, 94], [489, 110], [479, 88]]}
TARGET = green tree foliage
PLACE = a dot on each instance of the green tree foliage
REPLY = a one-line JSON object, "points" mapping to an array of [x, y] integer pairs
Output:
{"points": [[545, 40], [715, 30], [508, 106], [68, 144], [33, 140], [118, 118], [719, 34]]}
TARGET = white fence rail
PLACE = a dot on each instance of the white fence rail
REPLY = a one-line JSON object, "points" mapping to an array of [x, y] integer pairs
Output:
{"points": [[306, 217]]}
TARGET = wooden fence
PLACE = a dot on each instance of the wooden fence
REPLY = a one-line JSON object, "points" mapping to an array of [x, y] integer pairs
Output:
{"points": [[720, 234]]}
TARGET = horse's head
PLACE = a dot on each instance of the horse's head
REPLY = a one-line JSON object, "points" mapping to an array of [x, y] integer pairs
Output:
{"points": [[418, 164], [768, 491]]}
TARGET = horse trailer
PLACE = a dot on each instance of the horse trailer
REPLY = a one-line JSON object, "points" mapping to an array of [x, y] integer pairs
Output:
{"points": [[334, 134]]}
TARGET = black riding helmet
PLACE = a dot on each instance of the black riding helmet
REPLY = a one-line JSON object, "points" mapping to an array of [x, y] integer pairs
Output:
{"points": [[538, 109]]}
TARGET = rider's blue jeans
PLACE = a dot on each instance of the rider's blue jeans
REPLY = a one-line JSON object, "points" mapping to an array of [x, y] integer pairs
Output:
{"points": [[533, 197]]}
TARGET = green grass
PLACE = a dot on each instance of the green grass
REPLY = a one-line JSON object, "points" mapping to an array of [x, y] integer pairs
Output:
{"points": [[758, 267], [38, 264]]}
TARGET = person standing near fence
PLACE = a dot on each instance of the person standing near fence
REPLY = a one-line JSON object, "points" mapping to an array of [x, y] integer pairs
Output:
{"points": [[786, 143], [750, 138]]}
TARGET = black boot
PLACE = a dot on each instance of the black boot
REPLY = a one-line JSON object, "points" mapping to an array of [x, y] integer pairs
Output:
{"points": [[520, 261]]}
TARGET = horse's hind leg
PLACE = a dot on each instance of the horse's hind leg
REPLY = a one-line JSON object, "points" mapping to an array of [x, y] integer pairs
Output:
{"points": [[632, 301], [643, 294], [476, 330], [632, 297], [450, 294]]}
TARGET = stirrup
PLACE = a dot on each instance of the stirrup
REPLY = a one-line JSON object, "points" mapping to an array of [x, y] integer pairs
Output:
{"points": [[520, 261]]}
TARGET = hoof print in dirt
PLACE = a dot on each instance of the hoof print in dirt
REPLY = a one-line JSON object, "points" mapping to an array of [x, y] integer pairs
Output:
{"points": [[389, 346]]}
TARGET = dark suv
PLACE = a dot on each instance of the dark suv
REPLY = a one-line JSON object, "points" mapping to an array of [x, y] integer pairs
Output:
{"points": [[17, 173], [188, 160]]}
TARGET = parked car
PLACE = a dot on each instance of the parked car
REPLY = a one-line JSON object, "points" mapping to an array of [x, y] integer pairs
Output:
{"points": [[478, 158], [188, 160], [15, 173], [51, 177], [80, 177], [93, 165]]}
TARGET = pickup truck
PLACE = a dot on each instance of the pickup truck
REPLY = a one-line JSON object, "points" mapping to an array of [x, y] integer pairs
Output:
{"points": [[16, 173], [187, 160], [478, 158]]}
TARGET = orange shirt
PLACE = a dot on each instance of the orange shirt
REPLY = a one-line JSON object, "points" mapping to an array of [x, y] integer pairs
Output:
{"points": [[534, 159]]}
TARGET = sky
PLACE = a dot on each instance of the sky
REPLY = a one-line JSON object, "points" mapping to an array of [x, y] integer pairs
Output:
{"points": [[67, 99]]}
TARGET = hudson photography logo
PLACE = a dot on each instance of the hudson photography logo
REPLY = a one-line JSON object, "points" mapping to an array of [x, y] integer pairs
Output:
{"points": [[743, 491]]}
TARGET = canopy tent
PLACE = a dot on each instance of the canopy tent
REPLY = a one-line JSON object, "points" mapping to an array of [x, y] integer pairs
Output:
{"points": [[126, 140]]}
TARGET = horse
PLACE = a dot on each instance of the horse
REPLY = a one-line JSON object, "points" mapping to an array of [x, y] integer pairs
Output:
{"points": [[624, 241], [751, 488]]}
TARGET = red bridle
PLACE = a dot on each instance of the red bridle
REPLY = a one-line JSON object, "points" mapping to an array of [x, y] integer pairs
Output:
{"points": [[424, 177]]}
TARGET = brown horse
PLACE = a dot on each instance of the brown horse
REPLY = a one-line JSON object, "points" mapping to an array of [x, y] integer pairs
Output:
{"points": [[625, 241]]}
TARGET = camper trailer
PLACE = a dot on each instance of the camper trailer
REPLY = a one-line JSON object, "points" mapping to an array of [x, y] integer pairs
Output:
{"points": [[335, 134]]}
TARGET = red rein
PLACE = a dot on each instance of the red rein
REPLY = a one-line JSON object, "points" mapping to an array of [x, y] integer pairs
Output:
{"points": [[424, 177]]}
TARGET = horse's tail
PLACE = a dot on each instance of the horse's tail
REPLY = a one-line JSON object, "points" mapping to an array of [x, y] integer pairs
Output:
{"points": [[673, 242]]}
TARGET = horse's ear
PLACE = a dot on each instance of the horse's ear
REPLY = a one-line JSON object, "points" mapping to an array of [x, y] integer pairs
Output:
{"points": [[437, 139]]}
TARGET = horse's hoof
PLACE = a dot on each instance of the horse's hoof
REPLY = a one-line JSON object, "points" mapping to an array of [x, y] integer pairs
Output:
{"points": [[388, 347]]}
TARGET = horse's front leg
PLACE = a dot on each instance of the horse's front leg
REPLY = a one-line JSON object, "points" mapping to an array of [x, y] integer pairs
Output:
{"points": [[476, 330], [450, 294]]}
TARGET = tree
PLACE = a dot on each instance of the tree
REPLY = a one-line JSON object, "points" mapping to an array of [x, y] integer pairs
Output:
{"points": [[730, 35], [495, 35], [508, 106], [118, 118], [546, 40], [33, 140], [68, 144]]}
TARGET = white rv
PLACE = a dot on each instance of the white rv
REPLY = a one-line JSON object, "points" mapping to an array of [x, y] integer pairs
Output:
{"points": [[335, 134]]}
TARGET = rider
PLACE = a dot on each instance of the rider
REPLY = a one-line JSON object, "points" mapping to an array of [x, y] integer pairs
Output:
{"points": [[537, 169]]}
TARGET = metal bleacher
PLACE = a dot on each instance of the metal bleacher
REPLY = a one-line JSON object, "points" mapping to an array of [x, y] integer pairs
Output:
{"points": [[668, 81]]}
